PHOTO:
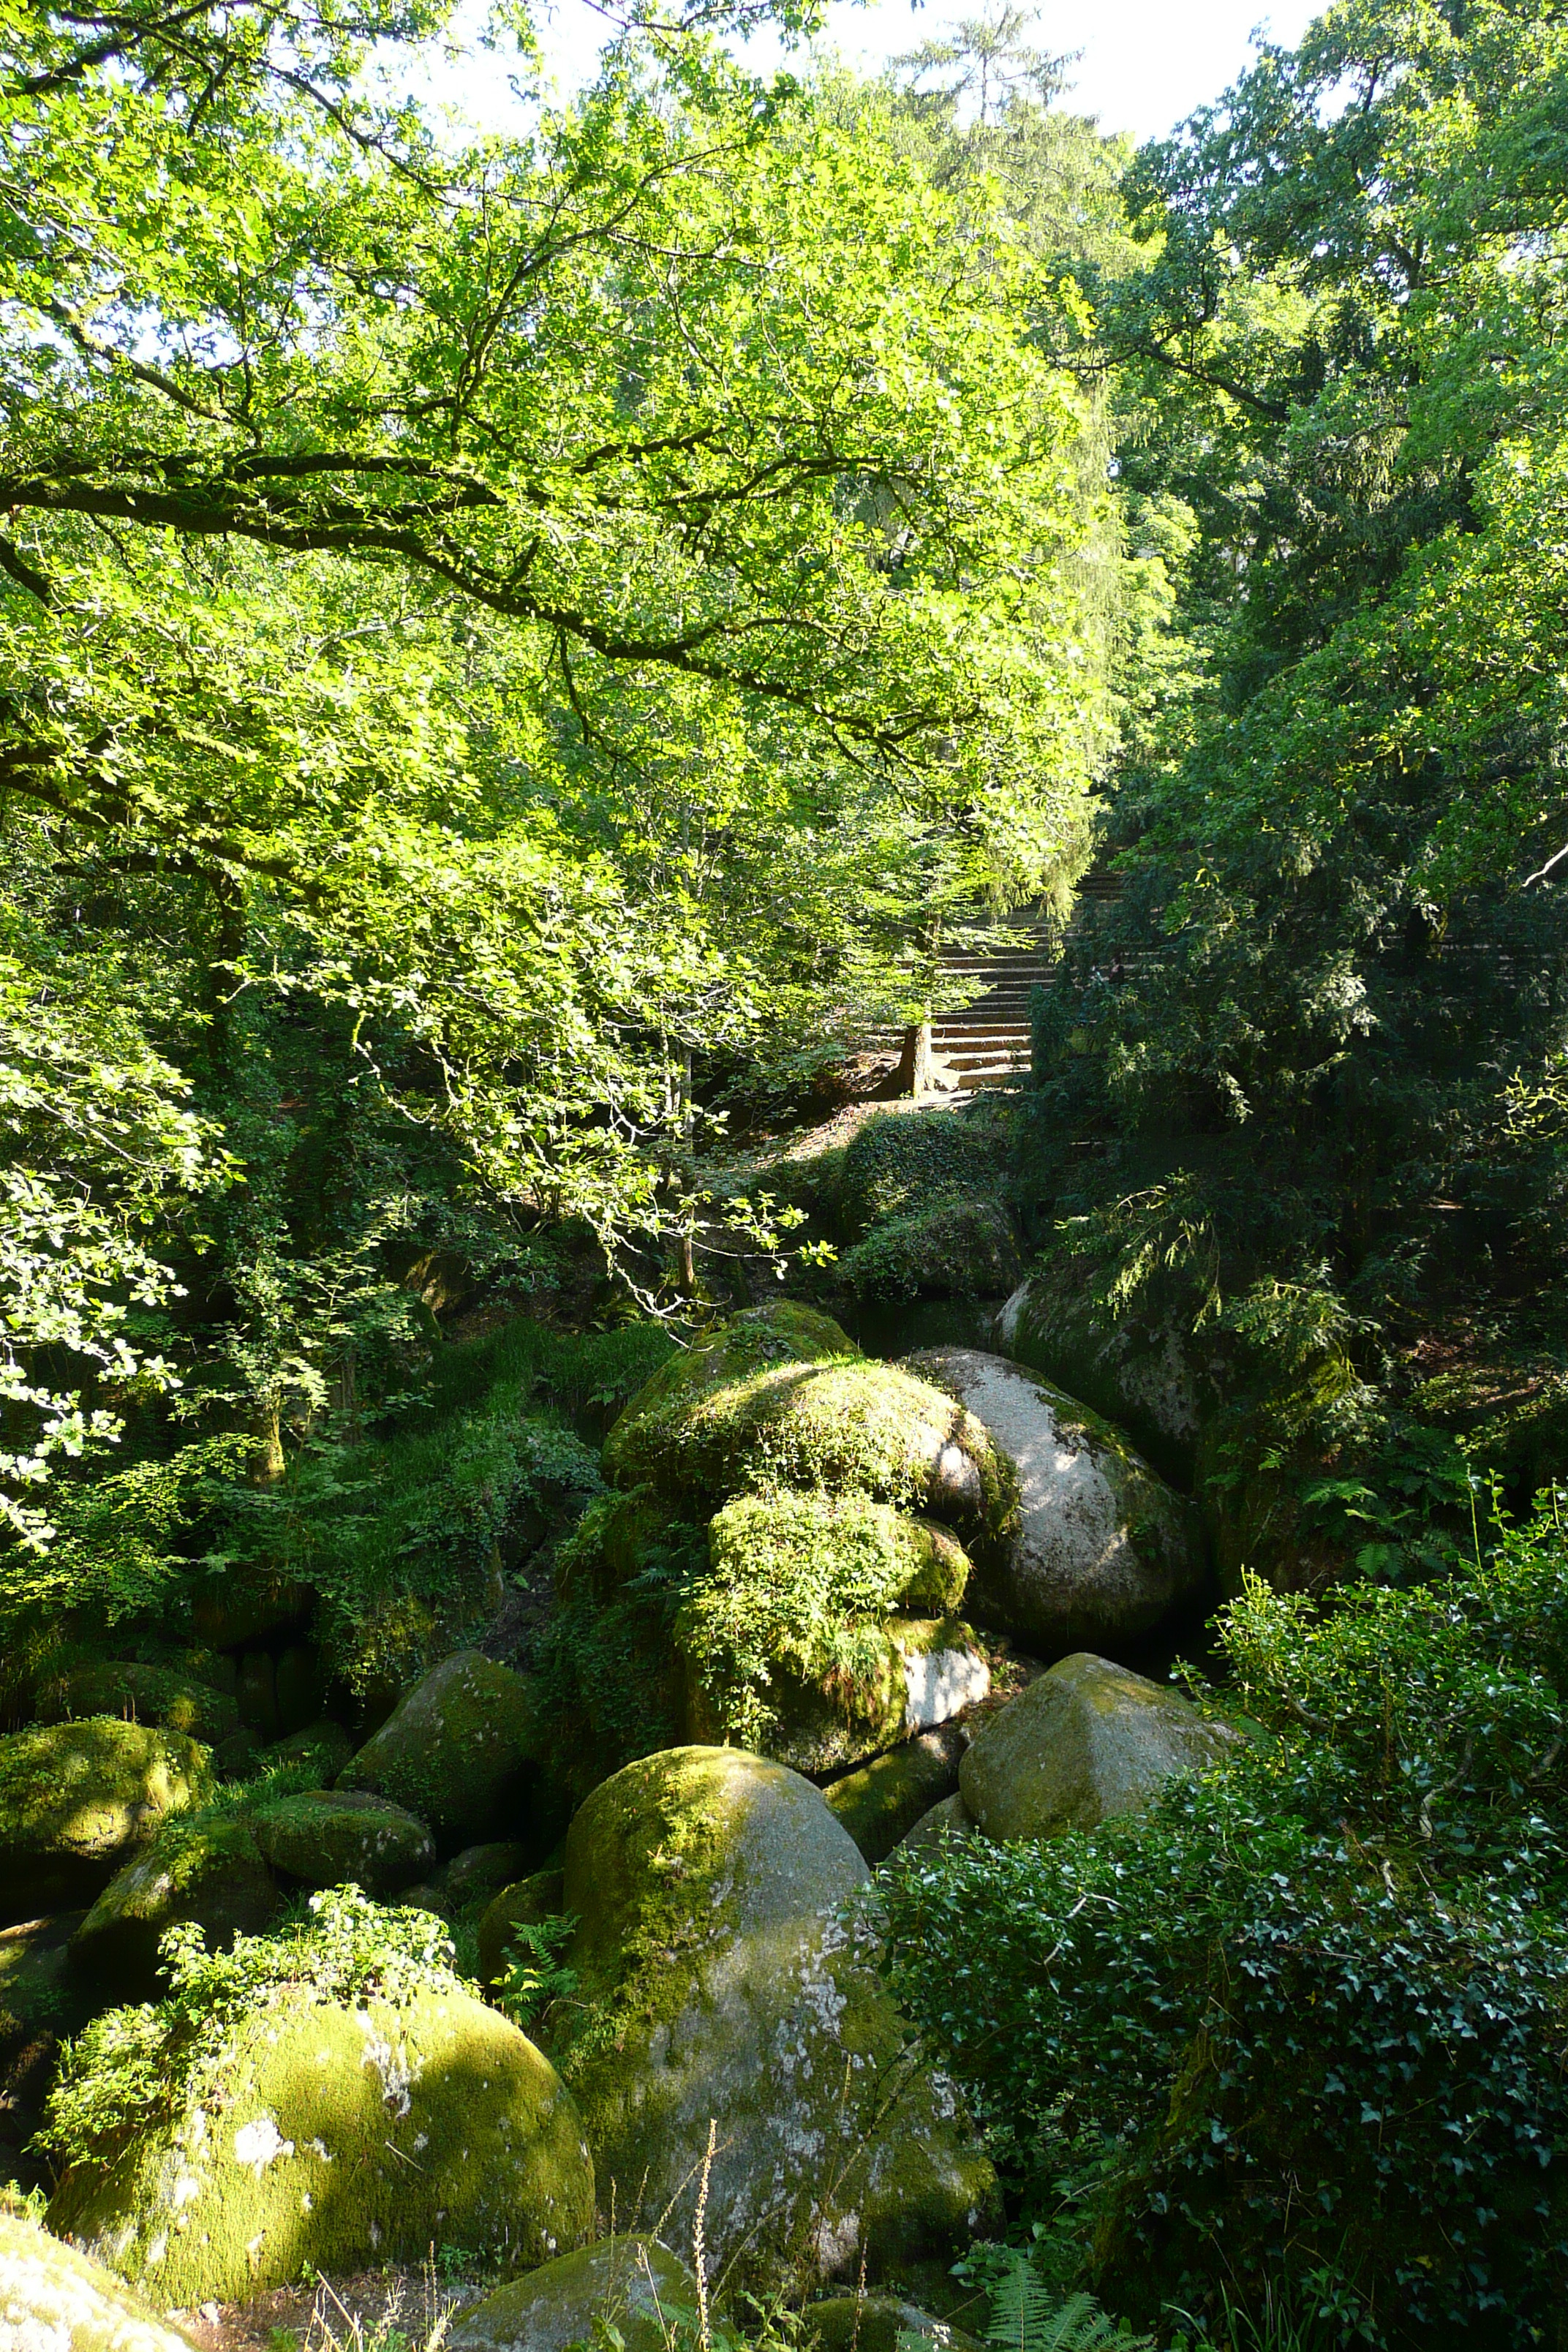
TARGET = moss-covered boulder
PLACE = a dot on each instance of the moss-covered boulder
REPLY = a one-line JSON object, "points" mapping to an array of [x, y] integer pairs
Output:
{"points": [[339, 2136], [881, 1803], [633, 2284], [460, 1750], [954, 1248], [54, 2299], [542, 1896], [142, 1694], [745, 1420], [900, 1161], [479, 1872], [822, 1631], [1102, 1551], [764, 1338], [875, 2323], [333, 1837], [1086, 1740], [77, 1800], [205, 1865], [727, 1974], [319, 1752]]}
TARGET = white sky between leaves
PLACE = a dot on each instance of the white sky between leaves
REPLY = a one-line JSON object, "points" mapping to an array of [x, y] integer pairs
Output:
{"points": [[1145, 64]]}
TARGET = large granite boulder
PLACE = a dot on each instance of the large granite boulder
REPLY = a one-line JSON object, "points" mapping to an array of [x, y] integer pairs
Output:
{"points": [[753, 1412], [77, 1800], [633, 2284], [881, 1804], [205, 1865], [459, 1749], [814, 1636], [882, 2323], [727, 1976], [54, 2299], [1101, 1550], [339, 2136], [1085, 1741], [334, 1837]]}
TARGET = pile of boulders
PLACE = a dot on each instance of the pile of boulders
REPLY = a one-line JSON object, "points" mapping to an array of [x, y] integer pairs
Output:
{"points": [[878, 1561]]}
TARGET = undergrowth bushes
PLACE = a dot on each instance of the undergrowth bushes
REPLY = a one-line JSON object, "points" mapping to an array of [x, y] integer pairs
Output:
{"points": [[1304, 2025]]}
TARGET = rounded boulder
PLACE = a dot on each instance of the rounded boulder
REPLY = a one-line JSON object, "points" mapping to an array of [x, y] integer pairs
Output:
{"points": [[727, 1974], [1101, 1549], [459, 1749], [633, 2284], [77, 1800], [54, 2299], [344, 2136], [203, 1866], [841, 1424], [1086, 1740], [330, 1837]]}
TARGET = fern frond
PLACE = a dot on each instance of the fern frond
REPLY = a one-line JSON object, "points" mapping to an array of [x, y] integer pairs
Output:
{"points": [[1025, 2316]]}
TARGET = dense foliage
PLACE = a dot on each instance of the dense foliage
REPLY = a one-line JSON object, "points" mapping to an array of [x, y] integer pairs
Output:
{"points": [[1301, 2027], [1308, 1066]]}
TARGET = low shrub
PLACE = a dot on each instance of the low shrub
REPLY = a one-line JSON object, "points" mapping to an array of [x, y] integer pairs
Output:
{"points": [[1303, 2027]]}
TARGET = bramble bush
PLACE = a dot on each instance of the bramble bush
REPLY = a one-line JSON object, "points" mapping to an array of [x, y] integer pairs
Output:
{"points": [[1304, 2026]]}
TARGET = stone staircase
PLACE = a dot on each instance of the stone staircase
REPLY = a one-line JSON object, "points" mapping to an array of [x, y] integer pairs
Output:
{"points": [[987, 1044]]}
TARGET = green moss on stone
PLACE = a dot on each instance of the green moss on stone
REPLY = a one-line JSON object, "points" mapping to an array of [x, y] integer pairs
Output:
{"points": [[837, 1426], [344, 2136], [881, 1802], [719, 1979], [785, 1641], [900, 1161], [632, 2285], [1087, 1742], [761, 1339], [142, 1694], [955, 1248], [459, 1751], [55, 2299], [205, 1865], [77, 1798], [334, 1837]]}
